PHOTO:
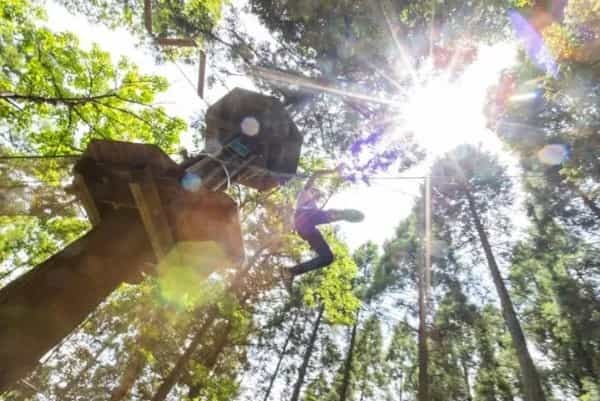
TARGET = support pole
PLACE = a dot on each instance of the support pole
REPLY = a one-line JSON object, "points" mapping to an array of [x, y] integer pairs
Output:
{"points": [[428, 238], [41, 307], [424, 280]]}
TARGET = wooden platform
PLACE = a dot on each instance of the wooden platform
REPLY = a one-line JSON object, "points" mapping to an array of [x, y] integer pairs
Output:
{"points": [[115, 175]]}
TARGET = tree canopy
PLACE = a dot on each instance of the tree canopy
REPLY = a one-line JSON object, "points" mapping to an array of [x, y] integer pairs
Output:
{"points": [[488, 289]]}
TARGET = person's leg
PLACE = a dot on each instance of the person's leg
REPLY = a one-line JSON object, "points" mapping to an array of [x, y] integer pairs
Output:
{"points": [[306, 220], [319, 245], [310, 218], [350, 215]]}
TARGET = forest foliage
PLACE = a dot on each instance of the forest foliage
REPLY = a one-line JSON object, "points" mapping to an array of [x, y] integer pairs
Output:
{"points": [[510, 309]]}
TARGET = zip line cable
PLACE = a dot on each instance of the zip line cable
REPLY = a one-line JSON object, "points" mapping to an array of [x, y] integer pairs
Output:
{"points": [[266, 171], [189, 82]]}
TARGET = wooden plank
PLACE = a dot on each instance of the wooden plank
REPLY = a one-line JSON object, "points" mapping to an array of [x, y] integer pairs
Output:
{"points": [[234, 173], [152, 214], [87, 200], [221, 168], [176, 42], [197, 167]]}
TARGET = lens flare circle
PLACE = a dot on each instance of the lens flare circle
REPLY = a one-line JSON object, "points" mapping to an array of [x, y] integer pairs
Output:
{"points": [[250, 126], [191, 182], [553, 154]]}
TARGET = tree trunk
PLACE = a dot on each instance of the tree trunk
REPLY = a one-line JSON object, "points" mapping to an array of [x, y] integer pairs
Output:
{"points": [[424, 278], [133, 368], [586, 199], [531, 381], [307, 355], [465, 369], [423, 389], [348, 364], [281, 356], [210, 357], [173, 376], [238, 286], [63, 393], [400, 384]]}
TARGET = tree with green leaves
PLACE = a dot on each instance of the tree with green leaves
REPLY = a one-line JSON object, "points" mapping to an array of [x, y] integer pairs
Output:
{"points": [[495, 378], [560, 312], [367, 367], [54, 98], [193, 23], [366, 258], [472, 200], [51, 89], [401, 363]]}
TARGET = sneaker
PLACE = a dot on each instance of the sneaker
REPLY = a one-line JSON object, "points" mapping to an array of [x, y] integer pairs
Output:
{"points": [[287, 278]]}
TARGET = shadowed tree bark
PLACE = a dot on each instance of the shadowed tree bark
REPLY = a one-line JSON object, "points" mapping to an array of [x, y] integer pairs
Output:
{"points": [[531, 382], [210, 357], [348, 364], [133, 369], [423, 390], [281, 356], [175, 373], [307, 354]]}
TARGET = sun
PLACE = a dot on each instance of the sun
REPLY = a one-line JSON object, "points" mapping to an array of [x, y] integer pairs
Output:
{"points": [[436, 113], [443, 111]]}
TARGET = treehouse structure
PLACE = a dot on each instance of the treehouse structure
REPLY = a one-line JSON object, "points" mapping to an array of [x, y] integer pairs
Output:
{"points": [[257, 142], [141, 210]]}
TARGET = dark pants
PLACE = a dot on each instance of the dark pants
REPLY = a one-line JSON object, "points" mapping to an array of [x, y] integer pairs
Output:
{"points": [[305, 223]]}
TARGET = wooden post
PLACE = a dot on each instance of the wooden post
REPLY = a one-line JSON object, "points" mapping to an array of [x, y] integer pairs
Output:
{"points": [[153, 217], [86, 198], [424, 277], [47, 303]]}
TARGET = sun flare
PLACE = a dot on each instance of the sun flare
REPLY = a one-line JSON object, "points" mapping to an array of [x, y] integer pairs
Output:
{"points": [[443, 112]]}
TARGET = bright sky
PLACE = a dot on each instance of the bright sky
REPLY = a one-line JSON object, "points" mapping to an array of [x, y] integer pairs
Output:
{"points": [[443, 115]]}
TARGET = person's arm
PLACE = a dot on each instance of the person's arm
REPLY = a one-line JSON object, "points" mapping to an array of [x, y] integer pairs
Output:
{"points": [[311, 180], [317, 173]]}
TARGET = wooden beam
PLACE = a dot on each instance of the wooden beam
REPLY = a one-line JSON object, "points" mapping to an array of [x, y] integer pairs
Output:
{"points": [[234, 173], [152, 215], [197, 167], [176, 42], [83, 193]]}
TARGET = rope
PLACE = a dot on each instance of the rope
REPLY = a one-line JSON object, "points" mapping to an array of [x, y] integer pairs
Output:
{"points": [[190, 83], [221, 162]]}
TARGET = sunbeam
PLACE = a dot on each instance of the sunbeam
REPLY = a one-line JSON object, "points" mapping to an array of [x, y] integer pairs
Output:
{"points": [[406, 63], [310, 84]]}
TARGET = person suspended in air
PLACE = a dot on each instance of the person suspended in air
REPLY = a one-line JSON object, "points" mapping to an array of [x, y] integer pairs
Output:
{"points": [[307, 217]]}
